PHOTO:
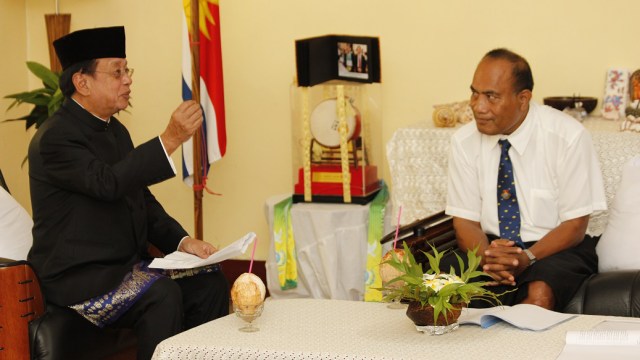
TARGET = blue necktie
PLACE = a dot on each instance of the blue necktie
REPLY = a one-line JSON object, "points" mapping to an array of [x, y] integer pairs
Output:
{"points": [[508, 210]]}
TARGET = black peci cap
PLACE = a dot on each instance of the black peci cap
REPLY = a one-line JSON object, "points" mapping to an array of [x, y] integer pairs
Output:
{"points": [[88, 44]]}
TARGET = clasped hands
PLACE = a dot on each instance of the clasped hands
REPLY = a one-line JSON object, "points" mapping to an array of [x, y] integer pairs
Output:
{"points": [[503, 261]]}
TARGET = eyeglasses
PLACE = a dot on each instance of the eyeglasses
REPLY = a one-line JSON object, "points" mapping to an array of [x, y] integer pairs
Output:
{"points": [[119, 73]]}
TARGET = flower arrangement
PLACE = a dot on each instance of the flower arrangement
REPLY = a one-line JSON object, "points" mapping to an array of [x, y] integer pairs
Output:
{"points": [[444, 292]]}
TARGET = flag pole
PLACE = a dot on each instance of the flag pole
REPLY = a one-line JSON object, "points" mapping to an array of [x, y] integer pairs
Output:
{"points": [[197, 137]]}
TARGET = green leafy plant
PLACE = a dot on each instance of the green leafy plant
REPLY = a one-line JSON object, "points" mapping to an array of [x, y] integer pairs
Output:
{"points": [[443, 291], [46, 100]]}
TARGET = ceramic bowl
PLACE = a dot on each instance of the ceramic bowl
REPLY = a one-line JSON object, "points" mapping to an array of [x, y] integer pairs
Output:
{"points": [[562, 102]]}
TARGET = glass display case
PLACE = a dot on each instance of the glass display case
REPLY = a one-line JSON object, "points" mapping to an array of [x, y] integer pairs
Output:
{"points": [[336, 131]]}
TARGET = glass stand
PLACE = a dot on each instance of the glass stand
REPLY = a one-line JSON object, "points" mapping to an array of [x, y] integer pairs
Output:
{"points": [[248, 314], [437, 330]]}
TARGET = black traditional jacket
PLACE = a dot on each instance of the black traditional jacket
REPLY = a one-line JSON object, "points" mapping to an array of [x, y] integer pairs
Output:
{"points": [[93, 213]]}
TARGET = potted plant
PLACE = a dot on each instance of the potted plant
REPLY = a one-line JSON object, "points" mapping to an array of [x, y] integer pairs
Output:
{"points": [[46, 100], [435, 298]]}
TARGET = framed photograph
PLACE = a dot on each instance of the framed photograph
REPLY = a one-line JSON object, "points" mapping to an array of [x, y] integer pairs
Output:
{"points": [[333, 57]]}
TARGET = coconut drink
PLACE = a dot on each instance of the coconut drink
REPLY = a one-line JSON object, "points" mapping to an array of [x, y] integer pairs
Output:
{"points": [[248, 293], [388, 272]]}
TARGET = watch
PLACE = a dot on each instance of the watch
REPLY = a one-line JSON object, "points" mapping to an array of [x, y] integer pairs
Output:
{"points": [[532, 258]]}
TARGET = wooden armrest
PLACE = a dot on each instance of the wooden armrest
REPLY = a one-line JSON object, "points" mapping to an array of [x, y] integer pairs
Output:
{"points": [[20, 302], [435, 230], [7, 262]]}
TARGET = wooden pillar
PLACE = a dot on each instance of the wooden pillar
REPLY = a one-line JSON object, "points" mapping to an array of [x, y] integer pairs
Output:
{"points": [[58, 25]]}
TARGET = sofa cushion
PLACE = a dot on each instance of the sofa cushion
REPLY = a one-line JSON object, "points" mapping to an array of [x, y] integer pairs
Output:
{"points": [[619, 245]]}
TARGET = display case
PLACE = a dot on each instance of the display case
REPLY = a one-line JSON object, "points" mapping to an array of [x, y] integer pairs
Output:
{"points": [[335, 103], [336, 128]]}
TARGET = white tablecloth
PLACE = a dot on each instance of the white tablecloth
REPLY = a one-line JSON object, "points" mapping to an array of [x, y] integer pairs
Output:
{"points": [[334, 329], [331, 245], [418, 157]]}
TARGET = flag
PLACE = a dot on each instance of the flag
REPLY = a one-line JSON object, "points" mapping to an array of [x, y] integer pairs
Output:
{"points": [[214, 142]]}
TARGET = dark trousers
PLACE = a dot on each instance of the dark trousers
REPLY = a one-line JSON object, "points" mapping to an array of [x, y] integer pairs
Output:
{"points": [[564, 272], [172, 306]]}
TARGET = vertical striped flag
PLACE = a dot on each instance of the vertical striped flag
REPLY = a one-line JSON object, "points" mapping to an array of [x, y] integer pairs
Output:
{"points": [[214, 134]]}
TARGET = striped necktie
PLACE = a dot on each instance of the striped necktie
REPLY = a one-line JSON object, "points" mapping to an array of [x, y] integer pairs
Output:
{"points": [[508, 210]]}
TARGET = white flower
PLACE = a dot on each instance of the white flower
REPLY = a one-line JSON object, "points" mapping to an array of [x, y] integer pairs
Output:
{"points": [[438, 281]]}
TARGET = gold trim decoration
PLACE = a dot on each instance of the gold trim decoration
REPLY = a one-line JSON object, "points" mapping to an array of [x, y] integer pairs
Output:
{"points": [[344, 151], [360, 93], [444, 116], [327, 177], [306, 144]]}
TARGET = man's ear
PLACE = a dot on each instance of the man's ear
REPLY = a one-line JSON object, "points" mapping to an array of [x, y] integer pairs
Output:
{"points": [[524, 97], [81, 83]]}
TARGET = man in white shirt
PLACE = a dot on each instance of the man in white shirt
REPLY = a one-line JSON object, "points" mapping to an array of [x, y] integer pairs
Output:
{"points": [[556, 180]]}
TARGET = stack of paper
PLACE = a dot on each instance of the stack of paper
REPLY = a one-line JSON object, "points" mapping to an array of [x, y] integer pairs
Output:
{"points": [[181, 260], [523, 316], [617, 339]]}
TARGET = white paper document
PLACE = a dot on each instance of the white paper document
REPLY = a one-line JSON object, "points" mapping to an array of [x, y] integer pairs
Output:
{"points": [[181, 260], [523, 316], [604, 337], [612, 339]]}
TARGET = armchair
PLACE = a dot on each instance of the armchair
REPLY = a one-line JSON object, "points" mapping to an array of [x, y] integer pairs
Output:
{"points": [[29, 327], [32, 329], [20, 303], [615, 293]]}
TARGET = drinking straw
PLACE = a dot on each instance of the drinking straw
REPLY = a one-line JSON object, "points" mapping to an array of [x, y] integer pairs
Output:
{"points": [[397, 227], [253, 252]]}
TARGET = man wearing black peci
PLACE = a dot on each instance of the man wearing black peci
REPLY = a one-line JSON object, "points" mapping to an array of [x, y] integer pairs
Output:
{"points": [[93, 212]]}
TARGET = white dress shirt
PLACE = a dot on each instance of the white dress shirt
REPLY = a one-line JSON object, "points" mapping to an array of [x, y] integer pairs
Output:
{"points": [[15, 228], [556, 170]]}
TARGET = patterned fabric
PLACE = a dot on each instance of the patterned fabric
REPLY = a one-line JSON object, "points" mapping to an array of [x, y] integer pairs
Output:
{"points": [[285, 245], [508, 209], [374, 248], [180, 273], [106, 309]]}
